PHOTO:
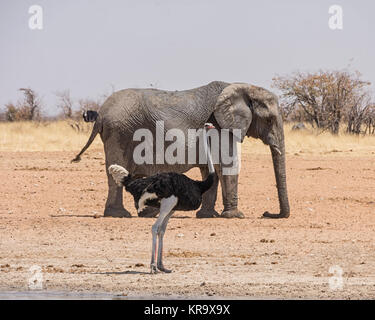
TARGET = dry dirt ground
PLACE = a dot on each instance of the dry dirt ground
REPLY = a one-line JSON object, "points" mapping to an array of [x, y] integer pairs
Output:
{"points": [[47, 210]]}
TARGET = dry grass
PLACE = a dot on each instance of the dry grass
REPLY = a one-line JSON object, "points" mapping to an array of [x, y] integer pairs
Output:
{"points": [[45, 136], [311, 142], [60, 136]]}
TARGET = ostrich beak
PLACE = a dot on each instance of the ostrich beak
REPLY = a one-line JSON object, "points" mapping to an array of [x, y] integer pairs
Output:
{"points": [[209, 126]]}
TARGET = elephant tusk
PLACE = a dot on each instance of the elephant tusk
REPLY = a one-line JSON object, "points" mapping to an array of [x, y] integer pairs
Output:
{"points": [[277, 150]]}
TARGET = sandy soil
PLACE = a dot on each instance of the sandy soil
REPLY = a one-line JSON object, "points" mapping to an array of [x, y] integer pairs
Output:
{"points": [[47, 211]]}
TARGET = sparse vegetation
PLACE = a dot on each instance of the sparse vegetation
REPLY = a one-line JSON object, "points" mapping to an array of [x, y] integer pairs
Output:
{"points": [[334, 105], [44, 136], [65, 104], [313, 141], [27, 109], [327, 99], [63, 136]]}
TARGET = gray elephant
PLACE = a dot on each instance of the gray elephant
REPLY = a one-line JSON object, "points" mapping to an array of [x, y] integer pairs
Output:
{"points": [[253, 110]]}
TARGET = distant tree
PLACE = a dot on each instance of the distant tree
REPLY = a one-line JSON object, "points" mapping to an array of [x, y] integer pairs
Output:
{"points": [[325, 97], [89, 104], [11, 112], [65, 103], [369, 120], [31, 105], [358, 113], [27, 109], [74, 116]]}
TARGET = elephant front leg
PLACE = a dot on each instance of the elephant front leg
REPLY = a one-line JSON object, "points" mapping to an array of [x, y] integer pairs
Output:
{"points": [[207, 209], [229, 186]]}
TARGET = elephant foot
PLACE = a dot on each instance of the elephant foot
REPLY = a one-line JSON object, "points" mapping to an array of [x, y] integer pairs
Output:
{"points": [[148, 212], [207, 213], [233, 213], [275, 215], [116, 212]]}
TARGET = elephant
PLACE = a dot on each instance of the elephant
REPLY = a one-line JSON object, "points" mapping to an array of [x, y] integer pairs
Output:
{"points": [[252, 110]]}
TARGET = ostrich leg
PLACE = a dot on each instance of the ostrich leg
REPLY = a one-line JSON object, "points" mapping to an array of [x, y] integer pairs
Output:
{"points": [[166, 206], [160, 265]]}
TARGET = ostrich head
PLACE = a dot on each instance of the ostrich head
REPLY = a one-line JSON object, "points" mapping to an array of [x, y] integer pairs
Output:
{"points": [[209, 125]]}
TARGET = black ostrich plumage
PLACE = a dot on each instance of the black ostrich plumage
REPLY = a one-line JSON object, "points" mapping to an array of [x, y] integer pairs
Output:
{"points": [[188, 192]]}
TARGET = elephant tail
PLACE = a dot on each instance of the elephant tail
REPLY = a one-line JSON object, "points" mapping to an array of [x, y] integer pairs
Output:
{"points": [[95, 130]]}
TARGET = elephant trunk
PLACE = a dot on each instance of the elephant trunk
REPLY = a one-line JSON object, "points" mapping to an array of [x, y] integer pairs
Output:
{"points": [[278, 158]]}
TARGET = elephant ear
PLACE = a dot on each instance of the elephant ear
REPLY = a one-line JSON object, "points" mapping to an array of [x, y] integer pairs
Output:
{"points": [[236, 104]]}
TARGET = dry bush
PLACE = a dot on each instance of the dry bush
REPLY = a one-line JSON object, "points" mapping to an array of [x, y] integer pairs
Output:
{"points": [[89, 104], [325, 99], [370, 120], [65, 103], [72, 115], [27, 109]]}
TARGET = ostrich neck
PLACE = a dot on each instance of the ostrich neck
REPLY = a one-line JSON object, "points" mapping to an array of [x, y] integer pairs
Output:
{"points": [[206, 144]]}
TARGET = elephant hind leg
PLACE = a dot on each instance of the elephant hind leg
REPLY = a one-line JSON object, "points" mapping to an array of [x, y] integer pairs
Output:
{"points": [[113, 212], [114, 205]]}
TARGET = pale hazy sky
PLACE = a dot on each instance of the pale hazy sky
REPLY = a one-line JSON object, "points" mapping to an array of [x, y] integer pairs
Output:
{"points": [[88, 45]]}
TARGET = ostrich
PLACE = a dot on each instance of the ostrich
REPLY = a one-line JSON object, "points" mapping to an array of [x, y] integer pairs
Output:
{"points": [[168, 191]]}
